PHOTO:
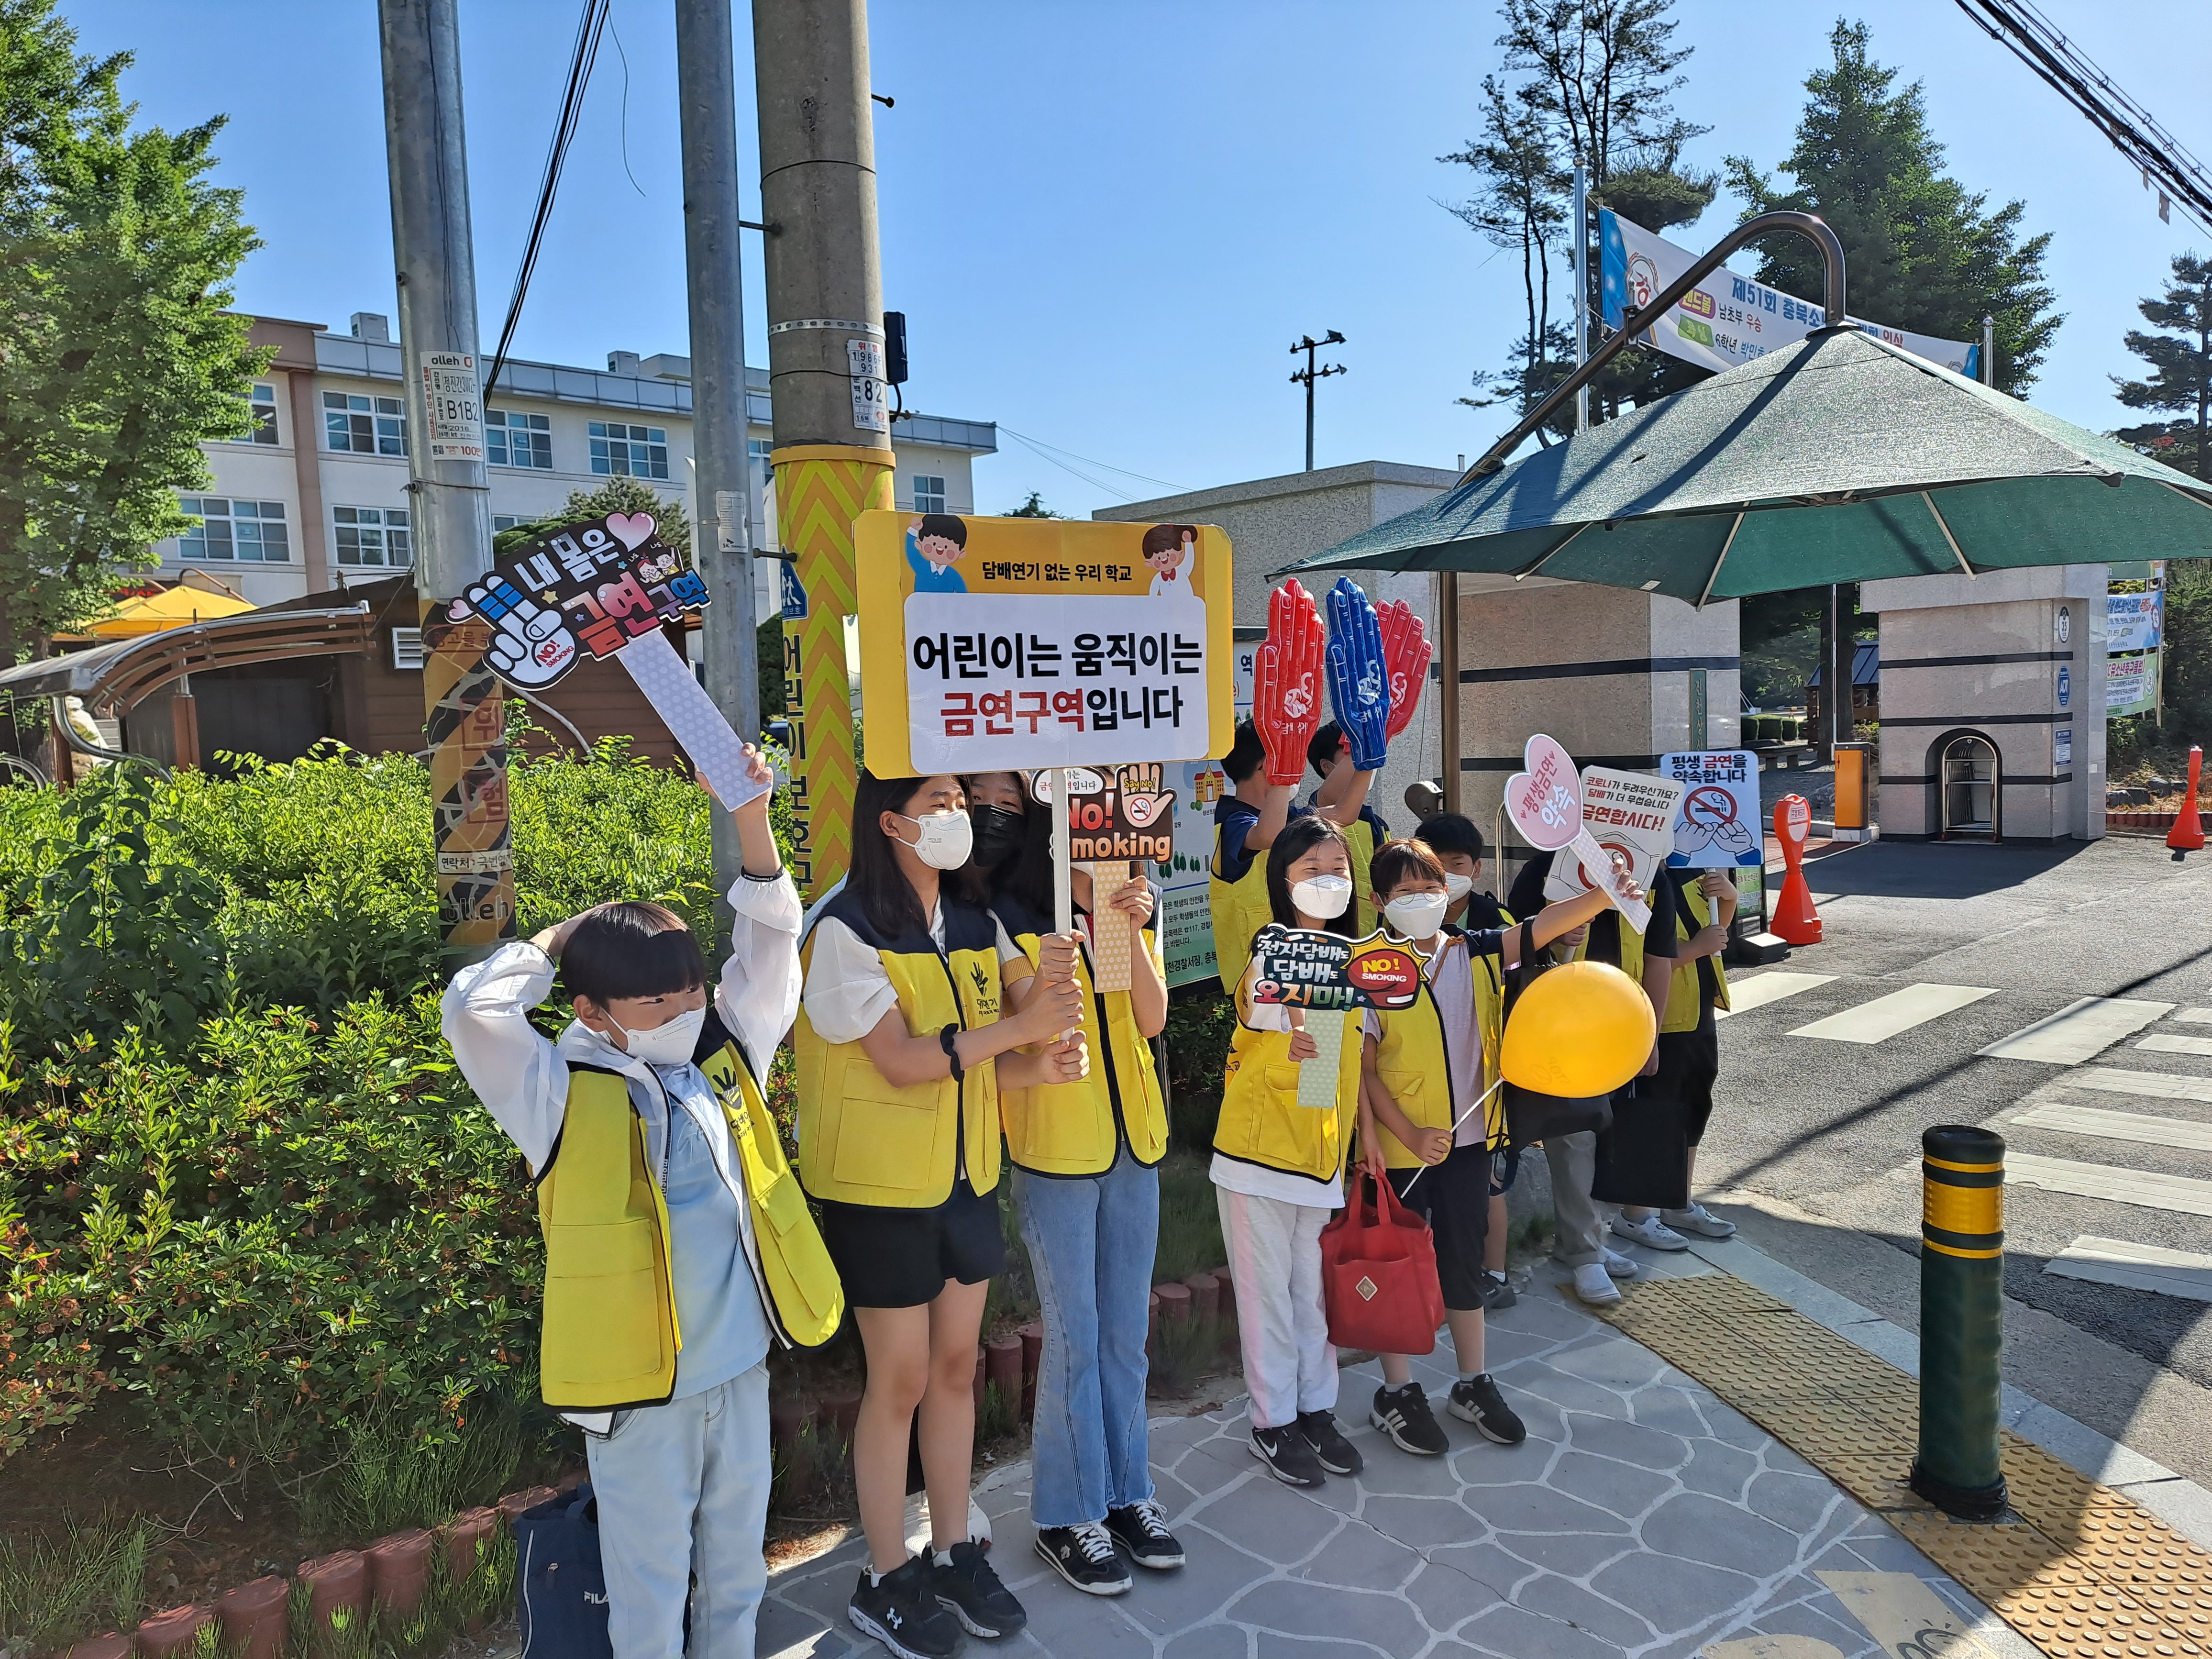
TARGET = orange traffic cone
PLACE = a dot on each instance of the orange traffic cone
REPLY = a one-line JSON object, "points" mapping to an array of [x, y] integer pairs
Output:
{"points": [[1794, 921], [2187, 835]]}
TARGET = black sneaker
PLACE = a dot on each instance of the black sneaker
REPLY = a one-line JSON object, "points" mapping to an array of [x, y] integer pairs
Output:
{"points": [[966, 1584], [1085, 1557], [1480, 1403], [1497, 1292], [1141, 1528], [1287, 1455], [902, 1613], [1337, 1455], [1404, 1415]]}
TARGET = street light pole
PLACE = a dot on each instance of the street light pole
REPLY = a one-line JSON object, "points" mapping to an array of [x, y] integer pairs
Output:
{"points": [[1989, 352], [1580, 248], [1309, 374]]}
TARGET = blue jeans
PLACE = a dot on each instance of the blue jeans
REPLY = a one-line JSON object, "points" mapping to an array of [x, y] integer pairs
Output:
{"points": [[1091, 1241]]}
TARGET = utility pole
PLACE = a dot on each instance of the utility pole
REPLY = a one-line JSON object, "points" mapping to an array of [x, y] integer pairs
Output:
{"points": [[1989, 352], [449, 507], [1580, 248], [825, 339], [707, 113], [1309, 374]]}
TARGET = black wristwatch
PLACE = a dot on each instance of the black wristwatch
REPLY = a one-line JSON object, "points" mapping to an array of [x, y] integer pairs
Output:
{"points": [[948, 1037]]}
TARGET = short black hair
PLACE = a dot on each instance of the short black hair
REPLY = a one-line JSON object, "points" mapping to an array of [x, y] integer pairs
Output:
{"points": [[1244, 755], [631, 948], [1452, 832], [1327, 744], [1166, 537], [950, 526]]}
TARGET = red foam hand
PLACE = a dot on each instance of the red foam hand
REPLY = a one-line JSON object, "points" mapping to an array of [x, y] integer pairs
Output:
{"points": [[1286, 682], [1406, 654]]}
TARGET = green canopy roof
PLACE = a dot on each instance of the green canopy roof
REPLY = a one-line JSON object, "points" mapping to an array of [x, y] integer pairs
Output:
{"points": [[1840, 459]]}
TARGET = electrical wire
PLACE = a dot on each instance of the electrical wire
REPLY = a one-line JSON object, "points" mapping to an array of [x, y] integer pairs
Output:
{"points": [[590, 25], [624, 56], [1041, 447]]}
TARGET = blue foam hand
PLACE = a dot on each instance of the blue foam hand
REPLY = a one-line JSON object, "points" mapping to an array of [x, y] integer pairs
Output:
{"points": [[1359, 690]]}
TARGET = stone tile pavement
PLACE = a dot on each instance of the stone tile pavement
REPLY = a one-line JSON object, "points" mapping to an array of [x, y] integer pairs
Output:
{"points": [[1642, 1517]]}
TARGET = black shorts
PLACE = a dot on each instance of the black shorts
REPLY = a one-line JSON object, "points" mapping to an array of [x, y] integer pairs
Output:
{"points": [[902, 1258], [1454, 1198], [1689, 1065]]}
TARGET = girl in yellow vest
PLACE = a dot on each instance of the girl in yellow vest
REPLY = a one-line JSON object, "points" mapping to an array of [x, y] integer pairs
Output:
{"points": [[902, 1047], [678, 1244], [1421, 1128], [1087, 1189]]}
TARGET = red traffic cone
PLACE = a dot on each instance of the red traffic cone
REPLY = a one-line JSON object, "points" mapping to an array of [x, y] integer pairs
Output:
{"points": [[1794, 920], [2187, 835]]}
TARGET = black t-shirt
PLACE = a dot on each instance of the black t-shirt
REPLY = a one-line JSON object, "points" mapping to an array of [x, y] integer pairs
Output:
{"points": [[1527, 898]]}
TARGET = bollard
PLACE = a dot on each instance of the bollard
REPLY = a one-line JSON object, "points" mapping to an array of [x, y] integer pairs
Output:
{"points": [[2187, 835], [1795, 922], [1961, 1322]]}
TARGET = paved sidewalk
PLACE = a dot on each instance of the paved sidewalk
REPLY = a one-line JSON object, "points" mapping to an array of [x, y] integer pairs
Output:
{"points": [[1642, 1517]]}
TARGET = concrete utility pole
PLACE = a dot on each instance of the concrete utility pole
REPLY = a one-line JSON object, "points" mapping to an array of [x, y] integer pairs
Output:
{"points": [[706, 79], [1309, 374], [1989, 352], [450, 512], [825, 336], [1580, 248]]}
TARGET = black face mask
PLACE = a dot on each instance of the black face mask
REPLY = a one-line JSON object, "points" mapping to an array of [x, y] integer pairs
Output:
{"points": [[999, 832]]}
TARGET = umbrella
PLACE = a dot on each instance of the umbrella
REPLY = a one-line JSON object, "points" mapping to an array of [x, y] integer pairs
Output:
{"points": [[1840, 459], [172, 607]]}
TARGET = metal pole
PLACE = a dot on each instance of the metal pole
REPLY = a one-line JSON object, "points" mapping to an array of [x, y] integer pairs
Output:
{"points": [[1310, 403], [1989, 352], [707, 95], [1580, 248], [1447, 688], [449, 510], [1961, 1322]]}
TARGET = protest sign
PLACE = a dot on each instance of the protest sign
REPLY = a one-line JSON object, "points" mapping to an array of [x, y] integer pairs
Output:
{"points": [[1630, 813], [1717, 825], [1545, 804], [1328, 979], [1113, 817]]}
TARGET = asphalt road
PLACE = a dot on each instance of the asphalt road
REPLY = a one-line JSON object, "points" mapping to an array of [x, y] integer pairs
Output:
{"points": [[1832, 1127]]}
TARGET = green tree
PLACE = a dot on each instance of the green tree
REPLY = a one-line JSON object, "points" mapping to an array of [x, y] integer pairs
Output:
{"points": [[117, 358], [1921, 252], [2181, 369], [618, 494], [1034, 508]]}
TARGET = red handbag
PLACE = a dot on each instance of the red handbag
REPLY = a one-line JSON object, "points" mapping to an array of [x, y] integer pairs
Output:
{"points": [[1378, 1274]]}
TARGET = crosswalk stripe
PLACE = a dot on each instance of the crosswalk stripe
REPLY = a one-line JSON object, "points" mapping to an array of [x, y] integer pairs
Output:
{"points": [[2156, 1085], [2163, 1043], [1756, 992], [2141, 1187], [2118, 1125], [2194, 1016], [2139, 1267], [1900, 1011], [2078, 1031]]}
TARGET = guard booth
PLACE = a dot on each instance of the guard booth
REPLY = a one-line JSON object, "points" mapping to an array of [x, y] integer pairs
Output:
{"points": [[1974, 788]]}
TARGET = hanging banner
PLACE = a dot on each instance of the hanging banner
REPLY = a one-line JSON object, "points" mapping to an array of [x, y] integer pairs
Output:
{"points": [[2133, 621], [1730, 320], [1630, 813], [1717, 825], [2130, 684]]}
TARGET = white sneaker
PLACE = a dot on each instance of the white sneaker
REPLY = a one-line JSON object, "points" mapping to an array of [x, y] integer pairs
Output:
{"points": [[1619, 1266], [1595, 1285], [1701, 1220], [1650, 1232]]}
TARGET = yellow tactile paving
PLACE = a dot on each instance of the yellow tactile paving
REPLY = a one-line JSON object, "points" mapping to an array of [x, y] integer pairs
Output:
{"points": [[2083, 1572]]}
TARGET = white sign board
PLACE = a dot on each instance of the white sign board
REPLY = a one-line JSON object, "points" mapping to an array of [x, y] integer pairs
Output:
{"points": [[871, 408], [1545, 803], [2061, 746], [1717, 825], [1630, 813], [454, 399], [699, 727], [2132, 620]]}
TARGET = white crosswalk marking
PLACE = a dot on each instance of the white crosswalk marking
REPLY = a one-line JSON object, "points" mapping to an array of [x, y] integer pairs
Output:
{"points": [[2079, 1031], [1900, 1011], [2194, 1016], [2142, 1187], [2118, 1125], [1772, 986], [2139, 1267], [2163, 1043], [2156, 1085]]}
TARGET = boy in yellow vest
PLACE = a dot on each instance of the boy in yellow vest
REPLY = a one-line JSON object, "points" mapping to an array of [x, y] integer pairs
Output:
{"points": [[656, 1160]]}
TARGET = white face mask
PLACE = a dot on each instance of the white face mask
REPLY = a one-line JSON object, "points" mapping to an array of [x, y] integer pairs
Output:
{"points": [[667, 1044], [1323, 897], [943, 841], [1416, 915], [1456, 887]]}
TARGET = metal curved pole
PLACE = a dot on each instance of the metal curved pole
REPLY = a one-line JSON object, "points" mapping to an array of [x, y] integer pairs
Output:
{"points": [[69, 736], [1812, 228], [28, 768]]}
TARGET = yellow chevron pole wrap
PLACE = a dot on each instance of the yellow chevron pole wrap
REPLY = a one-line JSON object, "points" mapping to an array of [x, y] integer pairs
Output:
{"points": [[820, 488], [466, 726]]}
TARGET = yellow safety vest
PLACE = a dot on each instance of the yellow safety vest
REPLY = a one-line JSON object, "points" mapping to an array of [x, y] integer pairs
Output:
{"points": [[1631, 944], [1262, 1120], [1685, 1001], [1076, 1128], [610, 1338], [1415, 1066], [1360, 836], [864, 1140], [1240, 909]]}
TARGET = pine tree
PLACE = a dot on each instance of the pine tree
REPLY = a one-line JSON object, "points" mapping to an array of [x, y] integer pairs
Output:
{"points": [[2180, 359], [1920, 250]]}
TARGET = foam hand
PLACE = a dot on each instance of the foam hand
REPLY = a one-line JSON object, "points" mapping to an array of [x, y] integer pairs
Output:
{"points": [[532, 645], [1357, 690], [1406, 654], [1286, 682]]}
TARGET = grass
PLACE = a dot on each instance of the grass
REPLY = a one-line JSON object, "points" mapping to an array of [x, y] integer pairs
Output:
{"points": [[1184, 1350], [51, 1592], [447, 1608], [397, 1475]]}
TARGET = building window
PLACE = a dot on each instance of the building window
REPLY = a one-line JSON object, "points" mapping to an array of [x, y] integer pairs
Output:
{"points": [[373, 535], [504, 522], [233, 529], [365, 425], [514, 440], [262, 401], [629, 451], [928, 494]]}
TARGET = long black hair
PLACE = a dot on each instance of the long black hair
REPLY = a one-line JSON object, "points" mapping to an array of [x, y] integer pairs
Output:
{"points": [[1298, 837], [887, 897], [1026, 878]]}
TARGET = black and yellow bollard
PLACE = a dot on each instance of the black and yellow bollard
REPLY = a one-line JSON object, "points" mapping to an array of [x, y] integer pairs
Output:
{"points": [[1961, 1322]]}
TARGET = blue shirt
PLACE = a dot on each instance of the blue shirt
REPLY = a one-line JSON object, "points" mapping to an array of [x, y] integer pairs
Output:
{"points": [[927, 578], [717, 1306]]}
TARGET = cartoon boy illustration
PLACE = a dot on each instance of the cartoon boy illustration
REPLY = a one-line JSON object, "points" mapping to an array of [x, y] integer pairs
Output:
{"points": [[934, 544], [1168, 547]]}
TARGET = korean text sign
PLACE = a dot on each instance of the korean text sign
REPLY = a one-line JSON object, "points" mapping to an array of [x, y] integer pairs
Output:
{"points": [[584, 589], [1630, 813], [1015, 643], [1301, 969], [1718, 825]]}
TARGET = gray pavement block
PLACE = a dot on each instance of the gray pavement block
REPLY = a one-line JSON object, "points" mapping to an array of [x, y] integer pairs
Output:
{"points": [[1672, 1593], [1692, 1526], [1795, 1503], [1327, 1612], [1723, 1471], [1213, 1642], [1516, 1633], [1565, 1600], [1627, 1441], [1446, 1594], [1622, 1488]]}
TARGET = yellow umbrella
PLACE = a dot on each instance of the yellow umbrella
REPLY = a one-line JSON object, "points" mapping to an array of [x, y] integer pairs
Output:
{"points": [[156, 613]]}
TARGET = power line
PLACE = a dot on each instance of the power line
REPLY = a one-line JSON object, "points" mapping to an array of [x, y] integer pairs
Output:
{"points": [[1041, 447]]}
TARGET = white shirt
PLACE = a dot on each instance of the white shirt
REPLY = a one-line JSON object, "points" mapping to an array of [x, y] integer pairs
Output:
{"points": [[848, 992]]}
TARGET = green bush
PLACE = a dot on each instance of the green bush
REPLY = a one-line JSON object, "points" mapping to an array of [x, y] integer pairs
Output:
{"points": [[92, 1578], [1202, 1020]]}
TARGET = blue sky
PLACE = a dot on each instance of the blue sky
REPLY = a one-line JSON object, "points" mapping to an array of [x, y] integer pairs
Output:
{"points": [[1106, 223]]}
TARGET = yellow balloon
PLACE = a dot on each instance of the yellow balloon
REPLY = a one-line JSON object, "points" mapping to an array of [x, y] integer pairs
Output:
{"points": [[1581, 1028]]}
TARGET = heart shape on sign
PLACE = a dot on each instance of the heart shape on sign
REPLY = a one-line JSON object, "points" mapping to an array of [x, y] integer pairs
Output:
{"points": [[1544, 801], [630, 529]]}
